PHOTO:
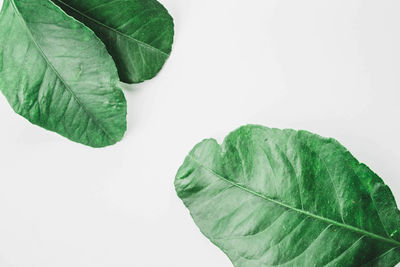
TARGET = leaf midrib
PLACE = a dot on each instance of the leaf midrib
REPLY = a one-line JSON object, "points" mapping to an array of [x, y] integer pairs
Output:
{"points": [[90, 115], [326, 220], [114, 30]]}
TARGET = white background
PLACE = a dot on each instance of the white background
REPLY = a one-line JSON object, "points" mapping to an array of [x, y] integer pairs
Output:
{"points": [[330, 67]]}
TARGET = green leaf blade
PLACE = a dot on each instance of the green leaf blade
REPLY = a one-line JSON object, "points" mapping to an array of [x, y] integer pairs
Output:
{"points": [[58, 74], [271, 197], [137, 33]]}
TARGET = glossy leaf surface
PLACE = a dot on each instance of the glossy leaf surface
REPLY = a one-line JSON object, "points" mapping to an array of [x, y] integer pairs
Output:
{"points": [[55, 72], [270, 197], [137, 33]]}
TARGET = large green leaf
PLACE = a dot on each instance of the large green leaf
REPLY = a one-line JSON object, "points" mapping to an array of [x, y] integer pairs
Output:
{"points": [[270, 197], [137, 33], [55, 72]]}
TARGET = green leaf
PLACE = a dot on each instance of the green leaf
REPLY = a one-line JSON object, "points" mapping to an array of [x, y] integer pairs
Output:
{"points": [[137, 33], [56, 73], [270, 197]]}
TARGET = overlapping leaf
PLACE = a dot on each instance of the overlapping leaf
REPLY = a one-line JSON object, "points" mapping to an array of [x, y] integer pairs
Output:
{"points": [[270, 197], [55, 72], [137, 33]]}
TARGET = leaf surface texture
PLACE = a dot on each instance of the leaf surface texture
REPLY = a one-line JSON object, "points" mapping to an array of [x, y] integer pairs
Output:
{"points": [[55, 72], [137, 33], [270, 197]]}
